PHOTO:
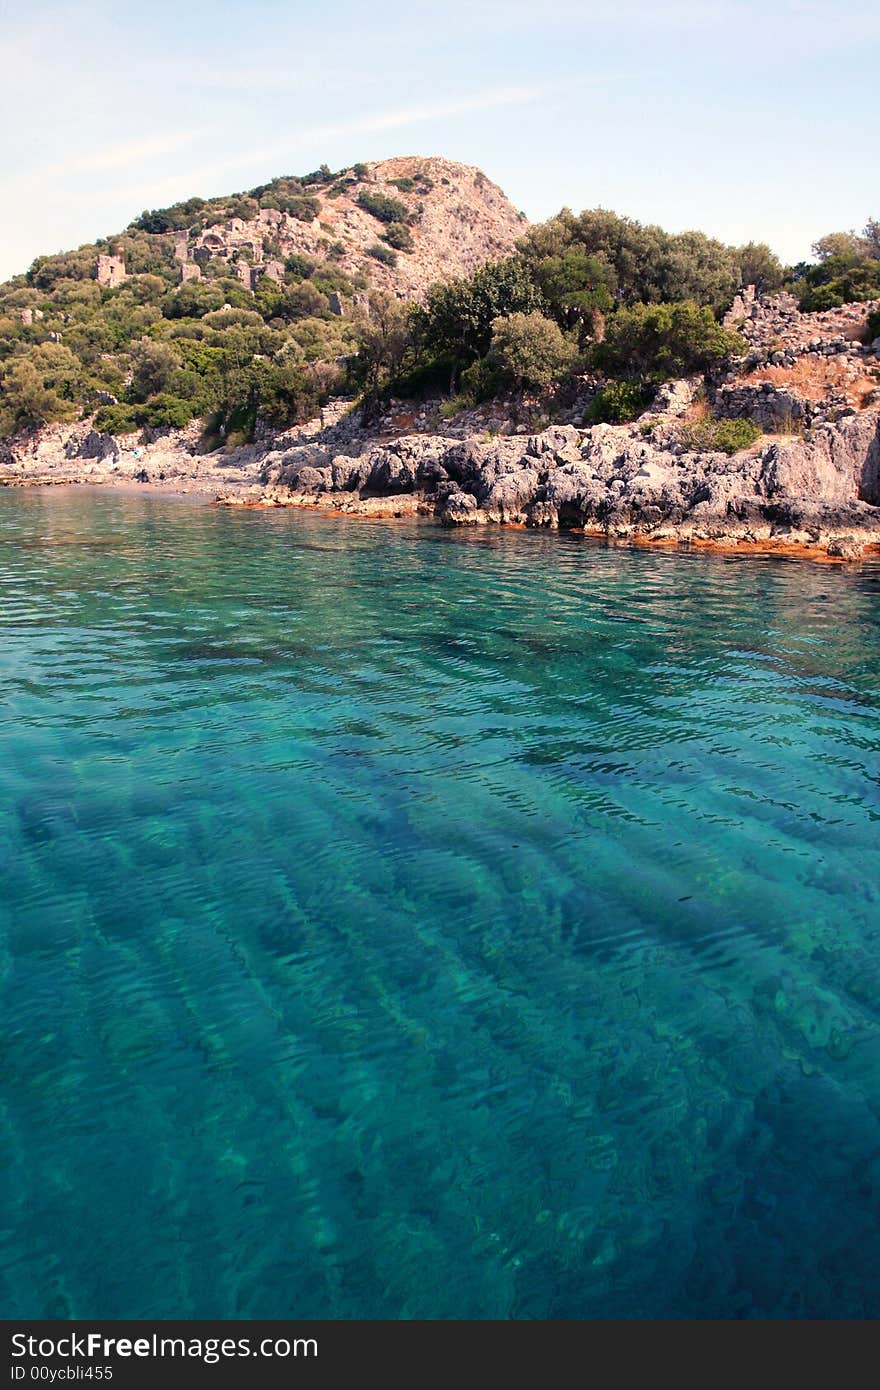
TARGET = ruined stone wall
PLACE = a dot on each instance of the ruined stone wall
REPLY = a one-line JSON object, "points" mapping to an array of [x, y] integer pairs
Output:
{"points": [[111, 271]]}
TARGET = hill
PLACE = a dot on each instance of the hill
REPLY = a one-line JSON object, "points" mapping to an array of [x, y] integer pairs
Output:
{"points": [[399, 224], [237, 317], [150, 326]]}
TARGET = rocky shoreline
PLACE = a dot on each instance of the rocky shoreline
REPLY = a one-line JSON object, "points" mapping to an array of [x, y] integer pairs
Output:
{"points": [[818, 494], [810, 485]]}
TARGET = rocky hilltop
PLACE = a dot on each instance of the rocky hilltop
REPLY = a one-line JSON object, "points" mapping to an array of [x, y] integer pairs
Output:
{"points": [[458, 221], [448, 219]]}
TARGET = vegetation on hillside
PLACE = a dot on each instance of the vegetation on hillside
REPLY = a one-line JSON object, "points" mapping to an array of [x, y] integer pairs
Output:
{"points": [[846, 269], [589, 293]]}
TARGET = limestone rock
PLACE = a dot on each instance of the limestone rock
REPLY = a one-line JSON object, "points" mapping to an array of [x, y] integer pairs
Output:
{"points": [[94, 445]]}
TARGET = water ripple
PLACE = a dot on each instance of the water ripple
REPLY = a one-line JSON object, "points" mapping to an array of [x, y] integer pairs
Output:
{"points": [[405, 924]]}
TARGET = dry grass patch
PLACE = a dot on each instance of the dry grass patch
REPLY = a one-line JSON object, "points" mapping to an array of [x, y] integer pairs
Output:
{"points": [[812, 378]]}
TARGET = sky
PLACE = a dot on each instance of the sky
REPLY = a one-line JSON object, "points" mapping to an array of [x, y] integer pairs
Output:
{"points": [[748, 119]]}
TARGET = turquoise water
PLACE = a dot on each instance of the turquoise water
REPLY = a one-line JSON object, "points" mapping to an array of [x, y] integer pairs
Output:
{"points": [[398, 923]]}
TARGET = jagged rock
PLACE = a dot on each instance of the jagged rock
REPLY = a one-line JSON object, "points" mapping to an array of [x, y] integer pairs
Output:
{"points": [[846, 547], [94, 445], [461, 510], [349, 474], [560, 441], [674, 397], [613, 477], [838, 463]]}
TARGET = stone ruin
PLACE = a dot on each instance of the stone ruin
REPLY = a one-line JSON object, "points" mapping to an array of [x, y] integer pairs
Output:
{"points": [[236, 242], [801, 370], [741, 308], [111, 272], [360, 304]]}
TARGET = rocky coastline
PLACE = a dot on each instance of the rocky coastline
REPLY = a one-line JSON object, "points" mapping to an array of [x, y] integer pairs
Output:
{"points": [[809, 485], [623, 482]]}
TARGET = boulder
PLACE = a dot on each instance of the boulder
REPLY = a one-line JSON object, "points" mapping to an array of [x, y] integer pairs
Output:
{"points": [[94, 445], [461, 509]]}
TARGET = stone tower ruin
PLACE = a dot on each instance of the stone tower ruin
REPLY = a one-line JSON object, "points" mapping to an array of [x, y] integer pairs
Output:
{"points": [[111, 271]]}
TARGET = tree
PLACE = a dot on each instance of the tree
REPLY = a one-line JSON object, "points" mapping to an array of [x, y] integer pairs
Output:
{"points": [[457, 321], [192, 300], [385, 335], [647, 265], [578, 288], [695, 267], [839, 279], [530, 350], [758, 266], [153, 367], [39, 386], [666, 340], [840, 245], [627, 247], [871, 235]]}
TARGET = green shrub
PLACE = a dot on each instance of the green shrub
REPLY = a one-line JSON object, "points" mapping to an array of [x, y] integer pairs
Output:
{"points": [[618, 403], [817, 298], [842, 276], [384, 254], [299, 267], [454, 406], [303, 209], [117, 419], [481, 381], [193, 299], [381, 206], [426, 379], [666, 340], [153, 366], [321, 175], [175, 218], [166, 412], [725, 436], [46, 271], [873, 326], [530, 350], [39, 386], [399, 236]]}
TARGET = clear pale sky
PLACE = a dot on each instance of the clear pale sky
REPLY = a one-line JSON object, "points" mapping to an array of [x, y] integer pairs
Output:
{"points": [[749, 119]]}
